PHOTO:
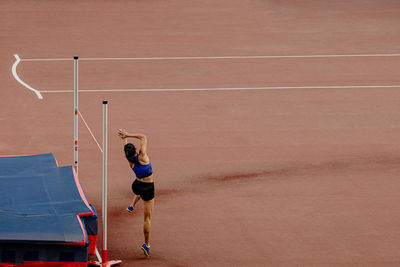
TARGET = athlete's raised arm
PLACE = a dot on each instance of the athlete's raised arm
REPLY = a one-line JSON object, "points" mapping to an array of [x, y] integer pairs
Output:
{"points": [[143, 141]]}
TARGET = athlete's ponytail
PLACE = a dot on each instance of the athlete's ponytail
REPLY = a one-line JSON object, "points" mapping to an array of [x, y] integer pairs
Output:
{"points": [[130, 152]]}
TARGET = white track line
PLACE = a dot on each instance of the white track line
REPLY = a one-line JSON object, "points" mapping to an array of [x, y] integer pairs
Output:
{"points": [[217, 57], [47, 59], [227, 88], [38, 93], [14, 72]]}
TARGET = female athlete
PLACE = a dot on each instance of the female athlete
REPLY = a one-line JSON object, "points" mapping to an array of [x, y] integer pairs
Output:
{"points": [[143, 186]]}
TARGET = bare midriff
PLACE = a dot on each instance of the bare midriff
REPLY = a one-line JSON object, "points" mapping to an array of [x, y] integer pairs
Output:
{"points": [[148, 179]]}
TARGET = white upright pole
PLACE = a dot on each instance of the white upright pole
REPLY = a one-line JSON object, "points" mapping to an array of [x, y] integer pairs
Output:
{"points": [[104, 256], [105, 261], [76, 119]]}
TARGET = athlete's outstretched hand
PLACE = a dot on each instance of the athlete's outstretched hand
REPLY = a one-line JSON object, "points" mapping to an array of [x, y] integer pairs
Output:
{"points": [[122, 133]]}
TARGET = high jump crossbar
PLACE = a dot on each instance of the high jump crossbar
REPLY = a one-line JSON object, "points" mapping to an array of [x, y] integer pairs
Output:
{"points": [[102, 260]]}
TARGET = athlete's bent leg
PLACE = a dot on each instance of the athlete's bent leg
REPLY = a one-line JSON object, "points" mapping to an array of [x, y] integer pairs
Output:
{"points": [[133, 203], [135, 200]]}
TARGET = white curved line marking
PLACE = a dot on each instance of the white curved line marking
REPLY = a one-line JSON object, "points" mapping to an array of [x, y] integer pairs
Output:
{"points": [[14, 72]]}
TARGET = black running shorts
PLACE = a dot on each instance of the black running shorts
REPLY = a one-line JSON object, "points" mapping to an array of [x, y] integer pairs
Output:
{"points": [[144, 190]]}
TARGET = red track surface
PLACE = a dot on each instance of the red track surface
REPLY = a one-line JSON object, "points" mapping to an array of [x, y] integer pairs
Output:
{"points": [[298, 177]]}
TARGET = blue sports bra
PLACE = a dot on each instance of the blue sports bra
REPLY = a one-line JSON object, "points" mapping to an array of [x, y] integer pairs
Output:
{"points": [[142, 171]]}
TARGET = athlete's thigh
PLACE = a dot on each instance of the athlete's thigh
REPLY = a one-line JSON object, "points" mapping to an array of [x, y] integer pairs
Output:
{"points": [[148, 208]]}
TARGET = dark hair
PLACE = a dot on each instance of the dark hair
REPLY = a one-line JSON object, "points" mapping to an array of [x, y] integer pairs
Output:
{"points": [[130, 152]]}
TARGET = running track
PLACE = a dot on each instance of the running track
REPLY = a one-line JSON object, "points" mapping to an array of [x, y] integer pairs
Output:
{"points": [[273, 125]]}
